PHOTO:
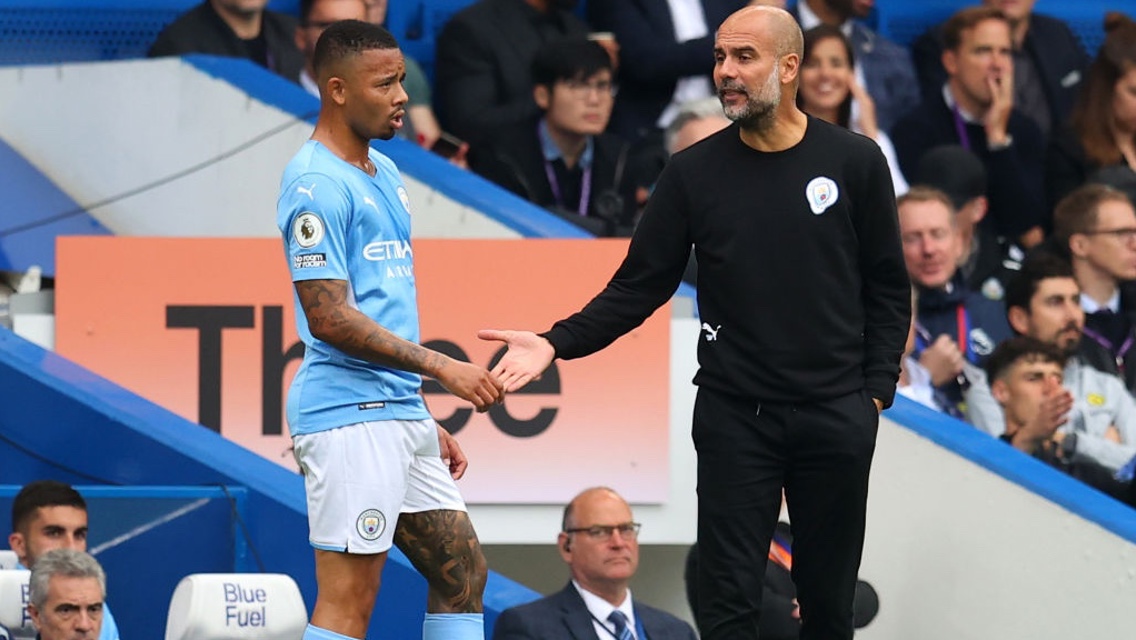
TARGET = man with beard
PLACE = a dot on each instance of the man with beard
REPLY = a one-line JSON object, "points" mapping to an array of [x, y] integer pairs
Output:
{"points": [[805, 305], [1027, 381], [237, 29], [1095, 422], [378, 471]]}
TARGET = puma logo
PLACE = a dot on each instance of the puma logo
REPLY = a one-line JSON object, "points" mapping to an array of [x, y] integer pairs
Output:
{"points": [[369, 200], [308, 191], [711, 332]]}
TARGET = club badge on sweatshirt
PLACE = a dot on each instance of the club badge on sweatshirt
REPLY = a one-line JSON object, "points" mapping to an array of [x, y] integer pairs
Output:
{"points": [[821, 193]]}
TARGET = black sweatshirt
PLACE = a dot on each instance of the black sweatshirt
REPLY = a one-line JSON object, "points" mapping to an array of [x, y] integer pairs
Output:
{"points": [[799, 300]]}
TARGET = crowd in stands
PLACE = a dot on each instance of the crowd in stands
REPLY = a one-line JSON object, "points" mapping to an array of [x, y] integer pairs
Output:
{"points": [[1012, 152]]}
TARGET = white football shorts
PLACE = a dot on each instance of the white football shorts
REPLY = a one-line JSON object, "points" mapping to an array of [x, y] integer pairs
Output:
{"points": [[358, 478]]}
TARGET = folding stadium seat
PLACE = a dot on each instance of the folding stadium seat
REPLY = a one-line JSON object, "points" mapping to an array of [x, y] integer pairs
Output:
{"points": [[232, 606], [8, 559], [14, 620]]}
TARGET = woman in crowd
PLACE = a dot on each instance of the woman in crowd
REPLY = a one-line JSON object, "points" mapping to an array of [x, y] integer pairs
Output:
{"points": [[829, 88], [1100, 144]]}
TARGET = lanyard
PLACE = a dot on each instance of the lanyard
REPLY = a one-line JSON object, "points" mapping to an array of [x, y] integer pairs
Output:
{"points": [[1118, 354], [923, 338], [960, 127], [585, 188]]}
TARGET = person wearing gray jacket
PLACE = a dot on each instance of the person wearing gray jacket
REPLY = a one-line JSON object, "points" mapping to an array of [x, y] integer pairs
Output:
{"points": [[1096, 420]]}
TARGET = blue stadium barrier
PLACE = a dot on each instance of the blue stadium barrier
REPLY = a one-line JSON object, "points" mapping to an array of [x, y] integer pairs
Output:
{"points": [[71, 425], [192, 529], [35, 212], [1034, 475]]}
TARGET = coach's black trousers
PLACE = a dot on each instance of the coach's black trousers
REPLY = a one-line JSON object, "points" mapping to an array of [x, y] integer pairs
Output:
{"points": [[820, 453]]}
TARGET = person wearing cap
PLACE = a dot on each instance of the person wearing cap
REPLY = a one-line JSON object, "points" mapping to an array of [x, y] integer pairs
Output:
{"points": [[955, 328], [987, 261]]}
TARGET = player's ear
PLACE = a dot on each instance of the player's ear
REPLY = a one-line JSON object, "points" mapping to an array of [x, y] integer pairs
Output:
{"points": [[564, 542], [337, 90]]}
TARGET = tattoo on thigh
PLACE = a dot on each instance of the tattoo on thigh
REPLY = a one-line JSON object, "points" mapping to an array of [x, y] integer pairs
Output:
{"points": [[443, 547]]}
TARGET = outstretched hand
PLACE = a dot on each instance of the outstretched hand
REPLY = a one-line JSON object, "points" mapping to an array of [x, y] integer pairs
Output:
{"points": [[528, 356]]}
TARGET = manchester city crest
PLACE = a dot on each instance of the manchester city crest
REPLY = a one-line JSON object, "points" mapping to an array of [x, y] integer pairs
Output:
{"points": [[371, 524]]}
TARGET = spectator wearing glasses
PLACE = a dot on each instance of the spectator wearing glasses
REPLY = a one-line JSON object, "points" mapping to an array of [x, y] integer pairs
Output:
{"points": [[599, 541], [1096, 226], [562, 160]]}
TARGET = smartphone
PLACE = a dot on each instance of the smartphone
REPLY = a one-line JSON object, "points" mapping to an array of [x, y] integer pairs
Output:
{"points": [[447, 145]]}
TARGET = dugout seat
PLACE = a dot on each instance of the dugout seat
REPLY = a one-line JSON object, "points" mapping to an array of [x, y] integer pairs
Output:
{"points": [[8, 559], [14, 619], [233, 606]]}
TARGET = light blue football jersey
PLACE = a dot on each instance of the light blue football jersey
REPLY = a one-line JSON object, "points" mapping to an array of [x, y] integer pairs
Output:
{"points": [[338, 223]]}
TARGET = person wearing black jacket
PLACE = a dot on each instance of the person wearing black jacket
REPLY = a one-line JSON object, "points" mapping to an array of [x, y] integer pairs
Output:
{"points": [[975, 109], [805, 308], [238, 30], [1049, 64], [563, 160]]}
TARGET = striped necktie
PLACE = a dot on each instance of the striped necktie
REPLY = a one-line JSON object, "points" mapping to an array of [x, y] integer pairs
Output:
{"points": [[622, 631]]}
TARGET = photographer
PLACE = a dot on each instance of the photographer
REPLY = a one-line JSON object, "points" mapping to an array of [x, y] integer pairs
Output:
{"points": [[563, 160]]}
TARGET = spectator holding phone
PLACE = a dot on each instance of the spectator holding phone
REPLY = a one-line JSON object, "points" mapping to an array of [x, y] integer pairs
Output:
{"points": [[563, 160]]}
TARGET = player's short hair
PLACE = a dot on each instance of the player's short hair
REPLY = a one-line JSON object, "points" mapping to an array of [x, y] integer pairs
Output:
{"points": [[43, 493], [1039, 265], [1077, 211], [965, 20], [1020, 349], [569, 59], [69, 563], [348, 38]]}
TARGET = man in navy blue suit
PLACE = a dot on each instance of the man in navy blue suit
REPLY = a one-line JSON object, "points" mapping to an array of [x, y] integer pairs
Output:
{"points": [[600, 543]]}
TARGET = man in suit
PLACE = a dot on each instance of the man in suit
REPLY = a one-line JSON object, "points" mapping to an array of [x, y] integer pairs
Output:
{"points": [[599, 542], [1049, 63], [483, 75], [666, 56], [883, 67]]}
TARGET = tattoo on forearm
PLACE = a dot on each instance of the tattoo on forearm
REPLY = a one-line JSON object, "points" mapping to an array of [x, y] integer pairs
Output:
{"points": [[332, 319], [443, 547]]}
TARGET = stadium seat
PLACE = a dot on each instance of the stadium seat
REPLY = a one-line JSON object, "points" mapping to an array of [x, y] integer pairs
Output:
{"points": [[232, 606], [14, 619], [8, 559]]}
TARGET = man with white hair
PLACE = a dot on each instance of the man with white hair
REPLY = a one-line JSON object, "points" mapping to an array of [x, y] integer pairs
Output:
{"points": [[67, 589]]}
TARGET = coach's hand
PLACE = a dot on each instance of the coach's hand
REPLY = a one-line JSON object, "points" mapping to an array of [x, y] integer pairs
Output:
{"points": [[471, 382], [452, 453], [528, 356]]}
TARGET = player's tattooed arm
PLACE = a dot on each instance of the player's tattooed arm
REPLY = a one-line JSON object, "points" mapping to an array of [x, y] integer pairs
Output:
{"points": [[334, 321], [444, 549]]}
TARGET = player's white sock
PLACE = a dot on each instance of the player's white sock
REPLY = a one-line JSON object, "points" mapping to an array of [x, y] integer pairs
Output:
{"points": [[316, 633], [453, 626]]}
